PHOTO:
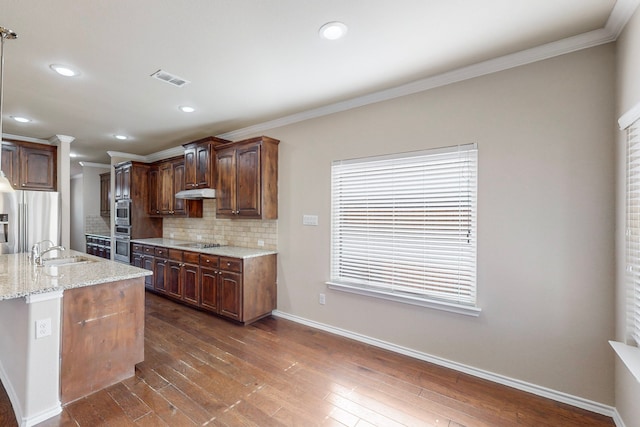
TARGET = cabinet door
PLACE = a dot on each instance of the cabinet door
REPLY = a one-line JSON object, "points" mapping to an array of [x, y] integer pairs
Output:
{"points": [[166, 192], [209, 288], [190, 283], [147, 263], [248, 192], [190, 166], [118, 184], [160, 273], [231, 295], [226, 185], [126, 182], [38, 168], [179, 205], [203, 166], [154, 188], [105, 194], [10, 164], [173, 279]]}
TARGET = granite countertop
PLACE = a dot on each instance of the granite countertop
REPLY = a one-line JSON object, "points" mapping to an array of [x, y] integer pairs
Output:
{"points": [[20, 278], [230, 251]]}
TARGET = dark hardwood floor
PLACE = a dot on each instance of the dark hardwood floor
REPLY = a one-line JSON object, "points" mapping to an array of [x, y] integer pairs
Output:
{"points": [[202, 370]]}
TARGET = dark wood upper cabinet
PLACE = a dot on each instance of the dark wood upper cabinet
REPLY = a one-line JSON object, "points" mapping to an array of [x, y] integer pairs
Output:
{"points": [[123, 181], [199, 163], [105, 194], [154, 187], [166, 178], [247, 184], [10, 164], [30, 166]]}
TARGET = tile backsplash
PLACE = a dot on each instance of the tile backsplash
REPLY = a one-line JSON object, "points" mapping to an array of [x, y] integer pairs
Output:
{"points": [[235, 232], [96, 224]]}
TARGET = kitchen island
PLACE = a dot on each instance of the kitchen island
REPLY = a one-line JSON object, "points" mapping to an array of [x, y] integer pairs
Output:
{"points": [[67, 329]]}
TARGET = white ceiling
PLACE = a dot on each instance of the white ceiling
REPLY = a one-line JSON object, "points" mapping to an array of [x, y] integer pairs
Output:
{"points": [[253, 61]]}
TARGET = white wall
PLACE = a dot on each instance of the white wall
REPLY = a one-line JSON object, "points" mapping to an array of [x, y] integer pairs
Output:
{"points": [[545, 220], [627, 390], [92, 221]]}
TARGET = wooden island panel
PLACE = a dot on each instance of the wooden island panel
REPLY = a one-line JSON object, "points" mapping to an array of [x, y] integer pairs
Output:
{"points": [[102, 336]]}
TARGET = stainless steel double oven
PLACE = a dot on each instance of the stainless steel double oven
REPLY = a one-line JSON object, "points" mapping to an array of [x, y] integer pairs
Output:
{"points": [[122, 231]]}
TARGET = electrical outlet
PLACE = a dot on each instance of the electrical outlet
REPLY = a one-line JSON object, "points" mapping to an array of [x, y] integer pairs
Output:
{"points": [[43, 328], [260, 243], [322, 300], [171, 235], [198, 236]]}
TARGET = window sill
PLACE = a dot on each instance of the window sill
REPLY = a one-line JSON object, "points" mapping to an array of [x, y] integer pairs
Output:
{"points": [[435, 304], [629, 355]]}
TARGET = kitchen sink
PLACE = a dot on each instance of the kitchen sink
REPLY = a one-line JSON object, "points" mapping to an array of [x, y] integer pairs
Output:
{"points": [[70, 260]]}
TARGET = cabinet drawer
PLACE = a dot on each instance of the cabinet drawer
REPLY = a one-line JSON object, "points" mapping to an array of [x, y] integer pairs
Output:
{"points": [[149, 250], [137, 247], [191, 257], [208, 260], [231, 264], [161, 252], [175, 255]]}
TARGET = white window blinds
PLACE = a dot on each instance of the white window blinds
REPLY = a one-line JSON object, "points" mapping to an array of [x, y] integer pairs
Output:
{"points": [[405, 224], [633, 229]]}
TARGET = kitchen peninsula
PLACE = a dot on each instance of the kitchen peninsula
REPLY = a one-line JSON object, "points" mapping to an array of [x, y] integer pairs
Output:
{"points": [[67, 329]]}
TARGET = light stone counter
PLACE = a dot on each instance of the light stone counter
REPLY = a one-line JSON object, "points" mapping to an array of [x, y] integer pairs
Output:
{"points": [[20, 278], [229, 251]]}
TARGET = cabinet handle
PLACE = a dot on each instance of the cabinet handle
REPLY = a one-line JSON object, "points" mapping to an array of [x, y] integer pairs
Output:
{"points": [[220, 273], [207, 261], [24, 185], [228, 264]]}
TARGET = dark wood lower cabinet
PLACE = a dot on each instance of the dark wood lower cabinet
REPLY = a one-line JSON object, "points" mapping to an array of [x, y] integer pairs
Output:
{"points": [[209, 288], [231, 295], [160, 274], [190, 288], [243, 290]]}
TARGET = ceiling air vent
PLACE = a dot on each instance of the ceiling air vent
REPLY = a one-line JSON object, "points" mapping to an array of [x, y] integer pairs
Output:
{"points": [[170, 78]]}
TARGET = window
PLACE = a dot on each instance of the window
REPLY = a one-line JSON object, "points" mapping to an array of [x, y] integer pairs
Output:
{"points": [[633, 230], [404, 227]]}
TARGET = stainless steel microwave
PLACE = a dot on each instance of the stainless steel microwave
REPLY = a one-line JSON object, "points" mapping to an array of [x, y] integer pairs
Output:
{"points": [[123, 212]]}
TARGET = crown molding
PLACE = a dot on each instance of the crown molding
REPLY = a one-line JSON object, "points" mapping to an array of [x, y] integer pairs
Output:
{"points": [[129, 156], [165, 154], [25, 138], [620, 15], [95, 165]]}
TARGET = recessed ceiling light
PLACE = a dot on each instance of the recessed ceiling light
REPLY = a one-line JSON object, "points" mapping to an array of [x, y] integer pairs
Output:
{"points": [[20, 119], [63, 70], [122, 137], [73, 155], [186, 109], [333, 30]]}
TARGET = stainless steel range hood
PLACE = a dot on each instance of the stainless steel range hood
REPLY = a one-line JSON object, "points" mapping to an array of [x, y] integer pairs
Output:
{"points": [[197, 194]]}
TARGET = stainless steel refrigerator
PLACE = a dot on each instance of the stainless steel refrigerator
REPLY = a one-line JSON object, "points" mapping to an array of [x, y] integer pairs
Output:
{"points": [[27, 217]]}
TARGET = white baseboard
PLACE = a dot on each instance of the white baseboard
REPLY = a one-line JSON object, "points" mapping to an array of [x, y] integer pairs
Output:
{"points": [[617, 419], [558, 396], [17, 407]]}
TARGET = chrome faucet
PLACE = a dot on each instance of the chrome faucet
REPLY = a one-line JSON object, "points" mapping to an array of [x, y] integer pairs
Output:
{"points": [[38, 259], [37, 248]]}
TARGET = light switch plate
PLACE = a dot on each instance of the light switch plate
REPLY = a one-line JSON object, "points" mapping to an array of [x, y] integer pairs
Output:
{"points": [[310, 220]]}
